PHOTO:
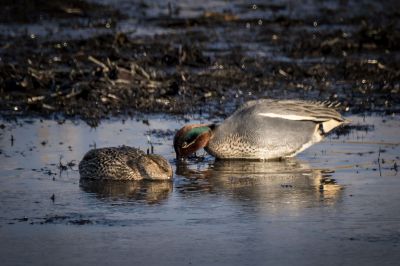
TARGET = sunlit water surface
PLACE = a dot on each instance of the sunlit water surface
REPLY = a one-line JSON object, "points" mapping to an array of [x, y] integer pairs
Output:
{"points": [[336, 203]]}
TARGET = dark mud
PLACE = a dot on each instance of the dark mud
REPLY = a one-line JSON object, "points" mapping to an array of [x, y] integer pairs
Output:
{"points": [[177, 59], [22, 11]]}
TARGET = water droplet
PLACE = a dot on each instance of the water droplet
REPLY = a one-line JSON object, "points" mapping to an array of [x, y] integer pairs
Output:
{"points": [[254, 6], [247, 25], [315, 23], [260, 22]]}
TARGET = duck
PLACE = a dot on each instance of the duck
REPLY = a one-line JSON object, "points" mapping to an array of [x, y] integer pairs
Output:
{"points": [[123, 163], [263, 129]]}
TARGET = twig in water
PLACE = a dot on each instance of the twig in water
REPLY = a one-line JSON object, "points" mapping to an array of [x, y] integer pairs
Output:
{"points": [[379, 161]]}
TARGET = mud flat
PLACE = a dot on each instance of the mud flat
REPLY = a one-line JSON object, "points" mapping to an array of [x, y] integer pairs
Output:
{"points": [[101, 58]]}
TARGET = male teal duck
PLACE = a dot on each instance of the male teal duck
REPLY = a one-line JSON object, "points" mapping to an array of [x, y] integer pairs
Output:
{"points": [[123, 163], [261, 129]]}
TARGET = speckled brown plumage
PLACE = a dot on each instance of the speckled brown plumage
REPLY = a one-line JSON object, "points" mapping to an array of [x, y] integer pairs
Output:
{"points": [[123, 163]]}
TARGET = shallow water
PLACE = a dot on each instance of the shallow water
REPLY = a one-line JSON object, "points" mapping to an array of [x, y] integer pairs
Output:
{"points": [[335, 203]]}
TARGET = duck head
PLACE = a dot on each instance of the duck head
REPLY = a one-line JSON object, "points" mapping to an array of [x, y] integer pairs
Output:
{"points": [[191, 138], [152, 167]]}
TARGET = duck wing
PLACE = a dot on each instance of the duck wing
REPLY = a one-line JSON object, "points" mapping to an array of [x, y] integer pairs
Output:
{"points": [[298, 110]]}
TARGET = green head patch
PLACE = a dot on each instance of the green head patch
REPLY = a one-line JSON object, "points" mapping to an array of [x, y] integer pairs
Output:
{"points": [[192, 135]]}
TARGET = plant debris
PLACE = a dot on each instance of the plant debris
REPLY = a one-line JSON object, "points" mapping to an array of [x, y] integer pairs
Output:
{"points": [[209, 63]]}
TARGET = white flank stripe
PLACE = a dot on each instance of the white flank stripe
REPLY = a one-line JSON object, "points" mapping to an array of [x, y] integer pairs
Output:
{"points": [[331, 124], [289, 117]]}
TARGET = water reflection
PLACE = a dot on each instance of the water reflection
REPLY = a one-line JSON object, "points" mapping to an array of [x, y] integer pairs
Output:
{"points": [[287, 181], [150, 192]]}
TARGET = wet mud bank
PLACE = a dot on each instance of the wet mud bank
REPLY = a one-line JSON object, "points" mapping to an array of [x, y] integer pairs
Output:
{"points": [[100, 58]]}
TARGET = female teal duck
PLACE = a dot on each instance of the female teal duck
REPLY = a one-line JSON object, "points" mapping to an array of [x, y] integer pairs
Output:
{"points": [[123, 163], [261, 129]]}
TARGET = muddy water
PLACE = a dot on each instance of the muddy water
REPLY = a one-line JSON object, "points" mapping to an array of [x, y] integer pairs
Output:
{"points": [[336, 203]]}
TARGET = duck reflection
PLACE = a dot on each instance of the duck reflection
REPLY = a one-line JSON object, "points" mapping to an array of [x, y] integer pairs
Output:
{"points": [[288, 181], [150, 192]]}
